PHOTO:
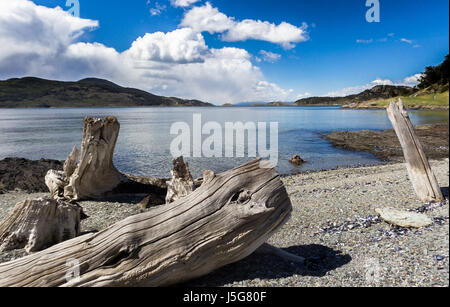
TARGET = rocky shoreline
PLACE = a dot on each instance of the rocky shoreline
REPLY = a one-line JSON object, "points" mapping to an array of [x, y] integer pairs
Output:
{"points": [[333, 225], [26, 175], [386, 146]]}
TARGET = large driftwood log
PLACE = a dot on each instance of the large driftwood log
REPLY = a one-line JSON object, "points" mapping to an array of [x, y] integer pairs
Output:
{"points": [[223, 221], [94, 175], [182, 183], [38, 224], [420, 173]]}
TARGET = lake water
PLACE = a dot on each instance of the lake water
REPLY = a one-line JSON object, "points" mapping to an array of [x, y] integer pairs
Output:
{"points": [[143, 147]]}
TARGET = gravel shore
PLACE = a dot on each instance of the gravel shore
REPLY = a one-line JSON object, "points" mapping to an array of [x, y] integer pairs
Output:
{"points": [[333, 225]]}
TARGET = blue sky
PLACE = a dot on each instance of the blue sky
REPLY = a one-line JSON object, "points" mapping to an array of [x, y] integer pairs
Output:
{"points": [[339, 51]]}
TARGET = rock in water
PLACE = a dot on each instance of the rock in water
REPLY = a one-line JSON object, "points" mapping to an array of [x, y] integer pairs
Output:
{"points": [[297, 160], [404, 218]]}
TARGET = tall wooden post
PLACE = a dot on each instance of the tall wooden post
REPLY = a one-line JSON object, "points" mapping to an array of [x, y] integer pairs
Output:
{"points": [[420, 173]]}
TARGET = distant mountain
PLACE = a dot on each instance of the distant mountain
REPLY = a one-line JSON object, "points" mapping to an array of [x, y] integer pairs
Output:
{"points": [[377, 92], [274, 104], [40, 93], [246, 104]]}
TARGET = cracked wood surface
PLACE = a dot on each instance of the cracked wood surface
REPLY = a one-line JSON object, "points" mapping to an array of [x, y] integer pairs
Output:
{"points": [[225, 220]]}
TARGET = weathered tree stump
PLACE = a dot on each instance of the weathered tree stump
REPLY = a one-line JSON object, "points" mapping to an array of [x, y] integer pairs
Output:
{"points": [[182, 183], [38, 224], [221, 222], [420, 173], [94, 175]]}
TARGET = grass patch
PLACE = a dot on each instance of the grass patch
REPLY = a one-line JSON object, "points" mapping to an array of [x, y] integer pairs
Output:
{"points": [[441, 100]]}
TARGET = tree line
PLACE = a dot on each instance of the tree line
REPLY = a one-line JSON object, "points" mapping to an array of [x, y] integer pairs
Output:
{"points": [[435, 75]]}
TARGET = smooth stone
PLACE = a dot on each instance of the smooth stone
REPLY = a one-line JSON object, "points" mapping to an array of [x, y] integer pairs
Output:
{"points": [[404, 218]]}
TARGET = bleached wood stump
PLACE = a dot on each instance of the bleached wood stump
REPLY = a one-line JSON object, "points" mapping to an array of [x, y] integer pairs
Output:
{"points": [[38, 224], [182, 183], [94, 175], [225, 220], [422, 177]]}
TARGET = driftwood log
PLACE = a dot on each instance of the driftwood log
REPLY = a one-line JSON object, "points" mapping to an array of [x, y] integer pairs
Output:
{"points": [[420, 173], [94, 175], [38, 224], [225, 220]]}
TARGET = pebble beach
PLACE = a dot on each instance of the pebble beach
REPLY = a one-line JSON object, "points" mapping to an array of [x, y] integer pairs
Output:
{"points": [[333, 225]]}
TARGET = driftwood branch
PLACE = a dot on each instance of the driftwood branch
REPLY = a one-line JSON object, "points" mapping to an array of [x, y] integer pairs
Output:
{"points": [[225, 220], [420, 173]]}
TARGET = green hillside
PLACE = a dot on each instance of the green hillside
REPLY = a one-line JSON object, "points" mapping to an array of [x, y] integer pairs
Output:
{"points": [[40, 93]]}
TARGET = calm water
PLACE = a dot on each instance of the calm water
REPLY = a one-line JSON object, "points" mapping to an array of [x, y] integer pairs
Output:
{"points": [[143, 147]]}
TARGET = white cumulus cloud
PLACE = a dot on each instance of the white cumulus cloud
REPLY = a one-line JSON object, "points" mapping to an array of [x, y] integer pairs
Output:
{"points": [[182, 46], [35, 34], [47, 43], [209, 19], [183, 3]]}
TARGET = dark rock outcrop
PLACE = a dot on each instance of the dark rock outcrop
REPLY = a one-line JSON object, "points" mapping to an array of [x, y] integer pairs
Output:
{"points": [[386, 146], [26, 175]]}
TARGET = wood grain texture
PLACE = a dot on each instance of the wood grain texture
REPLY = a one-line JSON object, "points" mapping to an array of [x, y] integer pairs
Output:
{"points": [[182, 183], [38, 224], [420, 173], [223, 221], [95, 173]]}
